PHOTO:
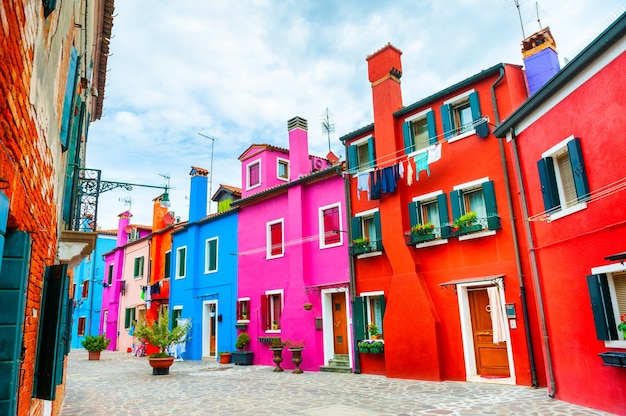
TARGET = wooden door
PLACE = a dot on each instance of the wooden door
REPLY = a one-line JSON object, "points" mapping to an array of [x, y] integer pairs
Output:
{"points": [[340, 327], [491, 359]]}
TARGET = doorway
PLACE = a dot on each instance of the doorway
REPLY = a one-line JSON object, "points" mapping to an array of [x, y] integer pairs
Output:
{"points": [[209, 329], [340, 324]]}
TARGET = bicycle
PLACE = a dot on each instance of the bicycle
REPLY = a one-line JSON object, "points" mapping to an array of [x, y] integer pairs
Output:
{"points": [[141, 350]]}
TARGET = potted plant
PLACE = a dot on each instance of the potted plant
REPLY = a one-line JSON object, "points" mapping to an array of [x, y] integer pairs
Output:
{"points": [[95, 344], [466, 224], [364, 346], [420, 233], [622, 326], [275, 325], [296, 347], [361, 245], [276, 347], [307, 306], [224, 357], [376, 347], [159, 335], [241, 356], [373, 331]]}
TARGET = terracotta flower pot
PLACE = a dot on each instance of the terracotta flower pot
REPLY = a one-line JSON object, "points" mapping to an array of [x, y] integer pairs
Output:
{"points": [[161, 366], [94, 355]]}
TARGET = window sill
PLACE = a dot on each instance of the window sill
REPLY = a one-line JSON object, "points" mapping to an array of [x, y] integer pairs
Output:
{"points": [[567, 211], [462, 136], [372, 254], [275, 257], [477, 235], [333, 245], [179, 277], [272, 331], [615, 344], [432, 243]]}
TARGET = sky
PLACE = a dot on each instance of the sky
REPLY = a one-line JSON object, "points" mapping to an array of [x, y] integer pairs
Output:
{"points": [[237, 70]]}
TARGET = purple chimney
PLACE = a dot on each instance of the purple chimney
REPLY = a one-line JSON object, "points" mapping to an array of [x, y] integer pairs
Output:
{"points": [[541, 61]]}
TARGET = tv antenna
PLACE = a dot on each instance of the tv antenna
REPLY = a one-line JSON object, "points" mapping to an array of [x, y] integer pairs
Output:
{"points": [[327, 126], [519, 13], [127, 201]]}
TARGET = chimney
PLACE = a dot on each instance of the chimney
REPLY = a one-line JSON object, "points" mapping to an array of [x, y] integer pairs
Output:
{"points": [[541, 60], [299, 164], [122, 224], [198, 194]]}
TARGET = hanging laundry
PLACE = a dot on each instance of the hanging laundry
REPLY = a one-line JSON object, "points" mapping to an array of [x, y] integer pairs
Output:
{"points": [[389, 182], [409, 173], [401, 169], [434, 153], [421, 163], [362, 184], [375, 184]]}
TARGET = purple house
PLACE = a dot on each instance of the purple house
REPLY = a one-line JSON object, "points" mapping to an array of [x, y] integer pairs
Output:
{"points": [[293, 253]]}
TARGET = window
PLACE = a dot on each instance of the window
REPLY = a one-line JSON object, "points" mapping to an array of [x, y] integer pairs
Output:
{"points": [[181, 268], [275, 239], [461, 116], [85, 289], [224, 204], [243, 309], [282, 169], [369, 309], [254, 174], [210, 263], [478, 196], [81, 326], [419, 131], [366, 229], [430, 208], [330, 226], [129, 318], [73, 292], [272, 308], [168, 264], [138, 269], [110, 282], [361, 155], [177, 313], [563, 178], [608, 302]]}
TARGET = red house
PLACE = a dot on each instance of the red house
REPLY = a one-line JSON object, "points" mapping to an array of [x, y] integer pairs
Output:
{"points": [[440, 265], [567, 144]]}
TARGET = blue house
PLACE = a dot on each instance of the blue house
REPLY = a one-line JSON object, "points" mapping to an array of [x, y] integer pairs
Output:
{"points": [[203, 282], [87, 289]]}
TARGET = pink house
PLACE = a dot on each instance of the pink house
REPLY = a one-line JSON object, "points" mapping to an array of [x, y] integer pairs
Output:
{"points": [[293, 253]]}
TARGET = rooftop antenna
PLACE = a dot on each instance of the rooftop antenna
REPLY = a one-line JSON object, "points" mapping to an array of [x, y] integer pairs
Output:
{"points": [[210, 168], [127, 201], [537, 11], [165, 199], [519, 13], [327, 126]]}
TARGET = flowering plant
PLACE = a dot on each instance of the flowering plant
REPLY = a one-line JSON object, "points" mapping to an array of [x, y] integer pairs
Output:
{"points": [[289, 343], [361, 242], [622, 326], [372, 329], [466, 220], [423, 229]]}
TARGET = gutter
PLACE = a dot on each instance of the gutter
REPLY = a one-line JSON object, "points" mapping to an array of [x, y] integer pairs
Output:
{"points": [[518, 263]]}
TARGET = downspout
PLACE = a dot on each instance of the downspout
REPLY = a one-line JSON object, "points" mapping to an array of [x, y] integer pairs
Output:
{"points": [[92, 286], [518, 262], [352, 286], [535, 270]]}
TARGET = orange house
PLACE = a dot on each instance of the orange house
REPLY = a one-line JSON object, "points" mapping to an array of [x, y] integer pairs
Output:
{"points": [[439, 259]]}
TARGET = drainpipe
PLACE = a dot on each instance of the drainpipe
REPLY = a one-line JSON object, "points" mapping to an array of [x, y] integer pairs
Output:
{"points": [[535, 270], [346, 187], [518, 263]]}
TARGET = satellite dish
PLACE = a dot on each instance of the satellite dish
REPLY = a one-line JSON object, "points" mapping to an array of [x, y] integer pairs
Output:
{"points": [[168, 219], [129, 229]]}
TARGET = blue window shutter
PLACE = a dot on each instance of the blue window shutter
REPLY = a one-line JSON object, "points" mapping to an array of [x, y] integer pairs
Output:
{"points": [[578, 169], [413, 217], [371, 152], [601, 307], [446, 121], [407, 132], [355, 223], [353, 159], [482, 129], [455, 204], [15, 259], [489, 194], [432, 127], [358, 318], [547, 179], [69, 95]]}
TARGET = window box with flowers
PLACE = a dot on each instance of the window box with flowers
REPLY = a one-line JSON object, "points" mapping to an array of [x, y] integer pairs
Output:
{"points": [[466, 224], [616, 358], [420, 233], [363, 245], [371, 346]]}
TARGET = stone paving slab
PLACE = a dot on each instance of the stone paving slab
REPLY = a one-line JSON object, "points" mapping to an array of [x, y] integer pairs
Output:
{"points": [[122, 384]]}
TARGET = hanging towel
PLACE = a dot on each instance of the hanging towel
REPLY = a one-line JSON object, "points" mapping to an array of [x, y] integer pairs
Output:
{"points": [[421, 163], [498, 324], [375, 184], [401, 169], [434, 153], [409, 173], [362, 184]]}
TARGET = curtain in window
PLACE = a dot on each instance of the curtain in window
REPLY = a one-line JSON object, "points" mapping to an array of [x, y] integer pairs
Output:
{"points": [[254, 174], [276, 239], [331, 225], [476, 203]]}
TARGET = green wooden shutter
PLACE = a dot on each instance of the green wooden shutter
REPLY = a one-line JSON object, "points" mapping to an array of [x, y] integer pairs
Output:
{"points": [[601, 307], [168, 260], [357, 231], [444, 218], [482, 128], [13, 279], [432, 127], [456, 205], [358, 319], [547, 179], [578, 169], [68, 104], [212, 255], [63, 339], [371, 150], [446, 120], [407, 133], [489, 193], [379, 233], [50, 342], [353, 159], [414, 219]]}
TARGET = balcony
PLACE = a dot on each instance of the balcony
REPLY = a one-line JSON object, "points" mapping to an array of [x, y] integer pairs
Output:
{"points": [[364, 246]]}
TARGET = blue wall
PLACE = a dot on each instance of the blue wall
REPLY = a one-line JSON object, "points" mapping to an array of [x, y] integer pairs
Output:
{"points": [[199, 287]]}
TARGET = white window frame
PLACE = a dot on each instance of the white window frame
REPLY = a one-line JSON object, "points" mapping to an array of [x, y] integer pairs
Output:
{"points": [[322, 238], [362, 142], [141, 261], [421, 116], [268, 235], [366, 296], [553, 152], [280, 292], [279, 161], [206, 255], [248, 166], [178, 251], [609, 270], [176, 308], [455, 101], [245, 299], [468, 186], [431, 196]]}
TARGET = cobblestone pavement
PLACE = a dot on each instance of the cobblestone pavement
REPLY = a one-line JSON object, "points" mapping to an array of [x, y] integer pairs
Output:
{"points": [[121, 384]]}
